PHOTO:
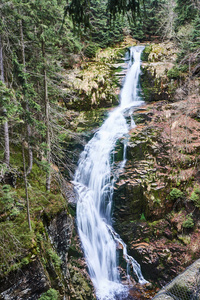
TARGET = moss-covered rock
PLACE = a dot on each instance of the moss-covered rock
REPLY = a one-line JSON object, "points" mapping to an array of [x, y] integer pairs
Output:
{"points": [[159, 59], [95, 84]]}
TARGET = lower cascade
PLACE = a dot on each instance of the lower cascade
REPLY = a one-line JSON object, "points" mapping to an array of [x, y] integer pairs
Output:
{"points": [[94, 187]]}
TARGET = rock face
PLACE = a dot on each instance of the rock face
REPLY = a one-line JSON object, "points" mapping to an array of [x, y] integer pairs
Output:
{"points": [[27, 283], [184, 286], [95, 84], [153, 208], [158, 60], [58, 265], [60, 231]]}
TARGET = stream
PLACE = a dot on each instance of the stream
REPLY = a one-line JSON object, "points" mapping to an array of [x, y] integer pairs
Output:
{"points": [[94, 186]]}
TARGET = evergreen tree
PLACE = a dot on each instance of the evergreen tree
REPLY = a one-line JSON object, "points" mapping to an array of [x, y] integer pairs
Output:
{"points": [[102, 31], [79, 9], [196, 33], [4, 109], [186, 12], [147, 23]]}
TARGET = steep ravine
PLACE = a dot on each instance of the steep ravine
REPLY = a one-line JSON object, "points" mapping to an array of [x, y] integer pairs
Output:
{"points": [[156, 198]]}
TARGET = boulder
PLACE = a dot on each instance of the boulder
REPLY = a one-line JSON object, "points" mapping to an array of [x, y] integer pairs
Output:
{"points": [[27, 283]]}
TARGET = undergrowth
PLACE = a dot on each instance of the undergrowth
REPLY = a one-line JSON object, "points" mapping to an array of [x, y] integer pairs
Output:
{"points": [[19, 245]]}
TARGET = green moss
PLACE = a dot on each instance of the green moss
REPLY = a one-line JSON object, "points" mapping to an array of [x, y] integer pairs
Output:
{"points": [[185, 239], [153, 224], [197, 190], [194, 197], [19, 243], [25, 261], [157, 202], [16, 239], [7, 195], [54, 257], [147, 240], [146, 52]]}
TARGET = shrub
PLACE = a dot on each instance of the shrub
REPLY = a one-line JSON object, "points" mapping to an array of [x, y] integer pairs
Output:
{"points": [[174, 73], [175, 194], [90, 50], [6, 197], [195, 197], [142, 217], [188, 223], [51, 294]]}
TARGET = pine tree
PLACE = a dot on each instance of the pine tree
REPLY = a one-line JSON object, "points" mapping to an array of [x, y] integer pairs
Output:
{"points": [[27, 110], [196, 33], [147, 23], [4, 110], [186, 12]]}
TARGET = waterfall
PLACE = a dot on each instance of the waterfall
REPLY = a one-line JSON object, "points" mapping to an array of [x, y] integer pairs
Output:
{"points": [[95, 188]]}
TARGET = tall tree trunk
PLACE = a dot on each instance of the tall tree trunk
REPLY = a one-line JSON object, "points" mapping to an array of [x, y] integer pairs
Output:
{"points": [[26, 187], [48, 140], [5, 124], [28, 128]]}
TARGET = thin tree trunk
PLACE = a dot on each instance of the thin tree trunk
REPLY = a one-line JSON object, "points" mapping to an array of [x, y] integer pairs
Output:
{"points": [[48, 140], [28, 128], [5, 124], [26, 187]]}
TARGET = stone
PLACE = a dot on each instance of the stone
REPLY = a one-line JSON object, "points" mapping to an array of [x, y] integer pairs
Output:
{"points": [[60, 232], [26, 283]]}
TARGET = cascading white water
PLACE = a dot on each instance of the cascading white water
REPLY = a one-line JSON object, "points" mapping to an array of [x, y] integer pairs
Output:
{"points": [[95, 188]]}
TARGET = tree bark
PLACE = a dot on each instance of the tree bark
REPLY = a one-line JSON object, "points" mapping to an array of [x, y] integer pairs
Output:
{"points": [[48, 140], [28, 128], [26, 188], [5, 124]]}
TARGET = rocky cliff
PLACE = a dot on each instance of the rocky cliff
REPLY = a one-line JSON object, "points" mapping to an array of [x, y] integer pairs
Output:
{"points": [[156, 198]]}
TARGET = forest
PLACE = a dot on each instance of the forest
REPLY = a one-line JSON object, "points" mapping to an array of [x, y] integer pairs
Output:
{"points": [[59, 65]]}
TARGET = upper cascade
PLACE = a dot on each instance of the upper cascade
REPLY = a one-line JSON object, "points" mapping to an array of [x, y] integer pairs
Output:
{"points": [[130, 93]]}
